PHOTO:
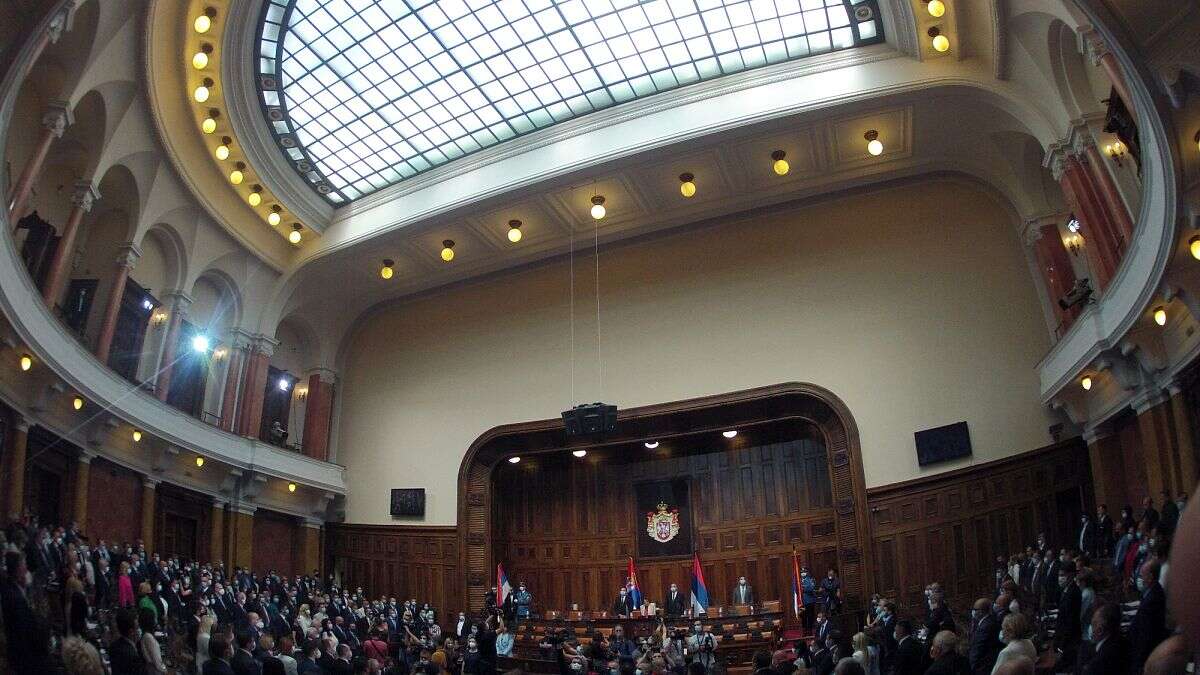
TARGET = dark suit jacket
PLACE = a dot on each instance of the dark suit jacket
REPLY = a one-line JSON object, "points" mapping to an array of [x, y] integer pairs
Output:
{"points": [[1149, 625], [217, 667], [822, 662], [622, 607], [677, 605], [910, 657], [28, 636], [244, 664], [985, 644], [1111, 659], [950, 664], [1068, 629], [124, 658], [741, 596], [939, 619]]}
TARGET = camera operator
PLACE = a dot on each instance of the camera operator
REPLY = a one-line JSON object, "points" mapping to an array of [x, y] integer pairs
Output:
{"points": [[702, 644]]}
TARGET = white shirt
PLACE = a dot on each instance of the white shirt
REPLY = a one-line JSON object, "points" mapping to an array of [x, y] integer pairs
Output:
{"points": [[1014, 650], [289, 664]]}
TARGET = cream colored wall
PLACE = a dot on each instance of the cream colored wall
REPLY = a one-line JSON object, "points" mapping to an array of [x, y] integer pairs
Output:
{"points": [[912, 303]]}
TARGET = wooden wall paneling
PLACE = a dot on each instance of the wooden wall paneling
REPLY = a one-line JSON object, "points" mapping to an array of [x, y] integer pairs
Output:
{"points": [[404, 561]]}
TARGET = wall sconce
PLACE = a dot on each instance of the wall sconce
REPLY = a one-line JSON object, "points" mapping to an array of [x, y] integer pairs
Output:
{"points": [[1115, 151], [302, 393], [1073, 242], [158, 319]]}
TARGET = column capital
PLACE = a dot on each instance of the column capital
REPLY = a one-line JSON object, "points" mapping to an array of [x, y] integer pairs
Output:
{"points": [[243, 508], [1091, 44], [240, 338], [84, 195], [1147, 399], [326, 375], [150, 483], [85, 457], [265, 344], [1081, 139], [21, 423], [312, 523], [219, 503], [128, 255], [57, 118], [61, 22], [1056, 158], [1096, 433]]}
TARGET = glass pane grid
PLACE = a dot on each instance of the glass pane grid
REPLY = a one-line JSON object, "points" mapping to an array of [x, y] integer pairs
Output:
{"points": [[375, 91]]}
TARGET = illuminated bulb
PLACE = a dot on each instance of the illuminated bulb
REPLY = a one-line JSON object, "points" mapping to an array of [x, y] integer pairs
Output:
{"points": [[236, 177], [386, 271], [874, 145], [514, 231], [199, 461], [941, 43], [77, 403], [254, 198], [650, 445], [729, 434], [137, 436], [448, 250], [26, 362], [936, 8], [200, 60], [514, 460], [273, 217], [202, 24], [294, 236], [1194, 246], [579, 453], [291, 487], [222, 152], [598, 209], [1086, 383], [284, 384], [200, 343], [201, 94], [209, 125], [1160, 315], [780, 167], [687, 185]]}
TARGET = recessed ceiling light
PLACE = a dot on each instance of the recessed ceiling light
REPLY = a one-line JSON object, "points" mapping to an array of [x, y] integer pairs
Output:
{"points": [[729, 434], [579, 453], [514, 459], [650, 445]]}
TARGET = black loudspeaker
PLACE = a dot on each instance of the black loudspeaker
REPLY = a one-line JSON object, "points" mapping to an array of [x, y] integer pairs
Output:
{"points": [[943, 443], [408, 502], [590, 419]]}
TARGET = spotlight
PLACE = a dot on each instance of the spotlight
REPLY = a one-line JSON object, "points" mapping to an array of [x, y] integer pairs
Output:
{"points": [[26, 362], [222, 151], [147, 305], [579, 453], [447, 250], [729, 434], [273, 217], [386, 271], [1160, 315], [199, 461], [294, 236], [291, 487], [874, 145], [1194, 246], [77, 403], [209, 125], [936, 8], [941, 43], [780, 166], [514, 231], [204, 21], [255, 196], [650, 445], [1086, 382], [514, 460], [200, 343], [598, 209], [137, 436], [687, 185], [284, 384]]}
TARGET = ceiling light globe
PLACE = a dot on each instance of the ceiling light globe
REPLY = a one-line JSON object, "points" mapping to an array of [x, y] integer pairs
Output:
{"points": [[1160, 316], [447, 254], [687, 189], [294, 236], [598, 211], [514, 234], [514, 460], [386, 272], [26, 362], [291, 487], [254, 198], [222, 152], [77, 403], [201, 94], [200, 343], [1086, 383], [941, 43], [209, 125], [579, 453], [936, 8], [199, 461], [875, 147], [137, 436], [236, 177], [202, 24], [200, 60], [273, 218], [781, 167], [1194, 246]]}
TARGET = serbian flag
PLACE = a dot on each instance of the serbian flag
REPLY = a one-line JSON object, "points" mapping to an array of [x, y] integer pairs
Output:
{"points": [[797, 588], [699, 590], [503, 588], [635, 591]]}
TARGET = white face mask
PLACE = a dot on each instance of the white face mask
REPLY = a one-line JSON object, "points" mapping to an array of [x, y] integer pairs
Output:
{"points": [[1002, 638], [1141, 585]]}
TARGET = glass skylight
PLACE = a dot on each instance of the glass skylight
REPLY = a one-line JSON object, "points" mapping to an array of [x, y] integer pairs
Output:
{"points": [[362, 94]]}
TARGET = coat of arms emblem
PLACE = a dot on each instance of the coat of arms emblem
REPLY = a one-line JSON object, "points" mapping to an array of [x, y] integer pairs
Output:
{"points": [[662, 525]]}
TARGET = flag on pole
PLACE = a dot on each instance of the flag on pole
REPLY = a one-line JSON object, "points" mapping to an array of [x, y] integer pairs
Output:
{"points": [[797, 587], [635, 591], [699, 590], [503, 588]]}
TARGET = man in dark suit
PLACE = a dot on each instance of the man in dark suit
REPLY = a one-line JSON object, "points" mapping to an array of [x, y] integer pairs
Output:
{"points": [[463, 628], [910, 655], [1111, 653], [822, 659], [1088, 535], [1105, 529], [887, 636], [1170, 515], [985, 638], [220, 652], [675, 602], [943, 650], [1150, 623], [243, 662], [1149, 514], [28, 636], [742, 593], [123, 652], [822, 627], [623, 604], [1067, 631], [1050, 589]]}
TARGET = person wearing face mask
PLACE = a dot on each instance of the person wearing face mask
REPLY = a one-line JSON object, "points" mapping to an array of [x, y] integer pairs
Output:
{"points": [[702, 644], [28, 636], [1139, 549], [523, 600], [743, 593], [1149, 625], [1015, 631], [622, 606], [910, 655], [808, 593], [676, 605], [985, 644], [1068, 631]]}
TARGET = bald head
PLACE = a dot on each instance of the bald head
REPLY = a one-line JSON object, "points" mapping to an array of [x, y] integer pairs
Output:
{"points": [[983, 604], [945, 642]]}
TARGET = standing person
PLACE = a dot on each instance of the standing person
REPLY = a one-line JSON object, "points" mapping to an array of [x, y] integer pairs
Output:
{"points": [[75, 609], [523, 599], [125, 597], [1170, 515], [985, 644], [703, 645], [910, 656], [831, 593], [220, 654], [28, 637], [808, 592], [743, 593], [148, 647], [203, 639], [1150, 623], [123, 652], [865, 653], [1014, 634], [675, 602], [1112, 652], [1105, 528], [1088, 535], [1068, 632], [943, 650], [1149, 514]]}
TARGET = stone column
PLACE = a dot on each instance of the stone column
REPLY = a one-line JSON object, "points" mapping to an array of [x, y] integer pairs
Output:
{"points": [[233, 379], [216, 546], [318, 412], [241, 536], [1189, 468], [1106, 187], [1099, 55], [18, 448], [310, 545], [83, 471], [255, 386], [1056, 269], [83, 198], [179, 302], [1154, 430], [112, 309], [1108, 467], [1100, 245], [149, 492], [55, 121]]}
